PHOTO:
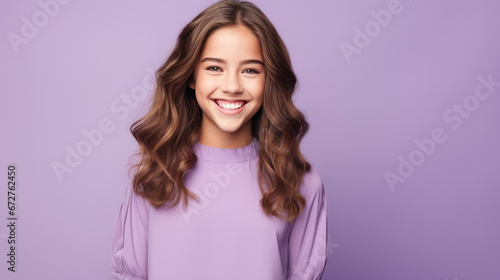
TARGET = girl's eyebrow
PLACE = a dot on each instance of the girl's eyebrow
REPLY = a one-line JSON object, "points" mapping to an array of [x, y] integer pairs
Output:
{"points": [[222, 61]]}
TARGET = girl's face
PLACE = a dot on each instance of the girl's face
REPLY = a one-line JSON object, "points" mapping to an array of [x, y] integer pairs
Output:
{"points": [[229, 84]]}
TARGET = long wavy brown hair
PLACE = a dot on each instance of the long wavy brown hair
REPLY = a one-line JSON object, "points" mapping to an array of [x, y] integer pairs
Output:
{"points": [[166, 134]]}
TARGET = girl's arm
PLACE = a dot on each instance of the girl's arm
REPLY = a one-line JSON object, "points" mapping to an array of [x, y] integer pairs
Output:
{"points": [[130, 245], [307, 247]]}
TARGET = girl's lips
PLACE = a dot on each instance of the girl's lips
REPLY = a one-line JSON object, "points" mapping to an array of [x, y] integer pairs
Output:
{"points": [[229, 107]]}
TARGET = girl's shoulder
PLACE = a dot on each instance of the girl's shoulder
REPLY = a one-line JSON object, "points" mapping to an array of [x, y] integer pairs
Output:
{"points": [[311, 183]]}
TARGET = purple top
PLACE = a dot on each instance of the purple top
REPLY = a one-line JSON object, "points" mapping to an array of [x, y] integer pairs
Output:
{"points": [[226, 235]]}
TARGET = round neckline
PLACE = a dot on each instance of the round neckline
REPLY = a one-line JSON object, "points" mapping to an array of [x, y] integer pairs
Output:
{"points": [[240, 154]]}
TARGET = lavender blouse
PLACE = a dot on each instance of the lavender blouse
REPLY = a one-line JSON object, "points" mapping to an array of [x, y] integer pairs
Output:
{"points": [[225, 235]]}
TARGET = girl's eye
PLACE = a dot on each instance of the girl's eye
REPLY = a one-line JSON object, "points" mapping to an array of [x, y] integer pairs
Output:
{"points": [[214, 68], [251, 71]]}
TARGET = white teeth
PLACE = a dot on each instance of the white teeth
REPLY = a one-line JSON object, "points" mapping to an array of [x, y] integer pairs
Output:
{"points": [[231, 106]]}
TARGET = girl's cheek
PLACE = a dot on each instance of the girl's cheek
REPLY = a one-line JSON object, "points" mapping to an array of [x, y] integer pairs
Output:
{"points": [[211, 83], [258, 86]]}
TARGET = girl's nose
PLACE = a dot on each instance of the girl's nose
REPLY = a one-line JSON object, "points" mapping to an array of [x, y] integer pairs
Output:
{"points": [[231, 84]]}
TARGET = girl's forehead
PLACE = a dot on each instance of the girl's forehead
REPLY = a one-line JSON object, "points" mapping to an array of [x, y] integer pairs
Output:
{"points": [[232, 42]]}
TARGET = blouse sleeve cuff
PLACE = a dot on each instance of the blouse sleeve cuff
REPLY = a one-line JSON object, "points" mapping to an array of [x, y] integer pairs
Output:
{"points": [[117, 275]]}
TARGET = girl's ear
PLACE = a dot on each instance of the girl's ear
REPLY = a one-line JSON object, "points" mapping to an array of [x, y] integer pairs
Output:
{"points": [[190, 91], [191, 84]]}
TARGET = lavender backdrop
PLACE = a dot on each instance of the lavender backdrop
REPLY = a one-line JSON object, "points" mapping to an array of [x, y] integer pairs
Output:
{"points": [[402, 97]]}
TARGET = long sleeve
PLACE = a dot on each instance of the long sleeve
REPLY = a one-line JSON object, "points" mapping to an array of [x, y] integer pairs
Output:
{"points": [[307, 247], [130, 239]]}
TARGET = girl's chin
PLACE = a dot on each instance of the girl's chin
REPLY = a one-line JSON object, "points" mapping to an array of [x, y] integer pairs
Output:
{"points": [[230, 126]]}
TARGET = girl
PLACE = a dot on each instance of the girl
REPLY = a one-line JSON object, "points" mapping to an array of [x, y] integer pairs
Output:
{"points": [[223, 135]]}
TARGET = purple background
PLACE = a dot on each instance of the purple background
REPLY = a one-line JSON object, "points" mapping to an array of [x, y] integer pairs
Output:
{"points": [[442, 222]]}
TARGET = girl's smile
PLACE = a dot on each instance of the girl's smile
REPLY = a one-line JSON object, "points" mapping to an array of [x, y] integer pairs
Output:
{"points": [[230, 107]]}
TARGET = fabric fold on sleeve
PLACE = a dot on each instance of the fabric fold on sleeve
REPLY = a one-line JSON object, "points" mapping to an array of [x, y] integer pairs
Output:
{"points": [[307, 247], [130, 239]]}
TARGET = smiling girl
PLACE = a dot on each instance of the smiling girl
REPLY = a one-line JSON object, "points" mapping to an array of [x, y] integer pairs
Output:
{"points": [[223, 135]]}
